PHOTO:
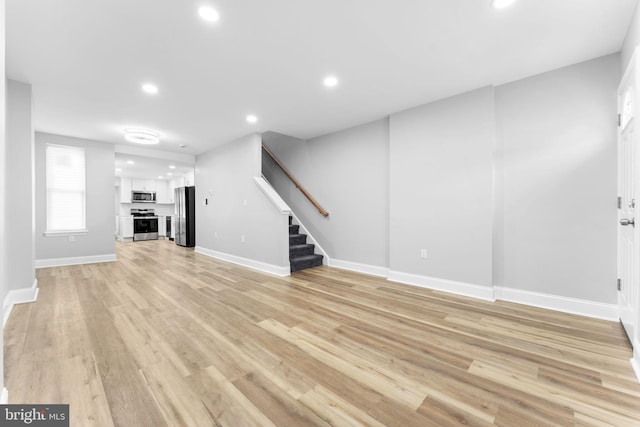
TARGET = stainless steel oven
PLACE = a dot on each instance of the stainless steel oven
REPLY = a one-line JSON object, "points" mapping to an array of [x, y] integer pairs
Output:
{"points": [[145, 224]]}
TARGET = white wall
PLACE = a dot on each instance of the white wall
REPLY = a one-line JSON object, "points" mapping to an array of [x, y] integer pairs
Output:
{"points": [[124, 209], [238, 208], [631, 41], [441, 189], [3, 185], [557, 135], [100, 178], [20, 236], [347, 172]]}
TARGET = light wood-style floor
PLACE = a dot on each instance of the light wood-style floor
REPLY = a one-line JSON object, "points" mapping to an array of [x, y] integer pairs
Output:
{"points": [[165, 336]]}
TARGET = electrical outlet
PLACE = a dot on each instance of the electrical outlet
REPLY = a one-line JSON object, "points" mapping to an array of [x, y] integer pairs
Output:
{"points": [[242, 238], [72, 239], [244, 202], [423, 253], [215, 234]]}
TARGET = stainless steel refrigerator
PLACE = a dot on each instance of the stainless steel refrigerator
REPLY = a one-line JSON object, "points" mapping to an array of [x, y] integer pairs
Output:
{"points": [[185, 216]]}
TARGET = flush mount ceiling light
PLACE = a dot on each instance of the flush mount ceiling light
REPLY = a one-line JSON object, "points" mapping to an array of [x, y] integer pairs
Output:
{"points": [[172, 166], [208, 14], [251, 118], [330, 81], [131, 162], [150, 88], [501, 4], [142, 136], [118, 169]]}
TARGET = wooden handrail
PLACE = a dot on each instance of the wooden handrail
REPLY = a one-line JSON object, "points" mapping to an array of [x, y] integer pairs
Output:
{"points": [[296, 183]]}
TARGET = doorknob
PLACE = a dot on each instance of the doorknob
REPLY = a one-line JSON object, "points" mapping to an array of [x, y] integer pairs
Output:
{"points": [[625, 221]]}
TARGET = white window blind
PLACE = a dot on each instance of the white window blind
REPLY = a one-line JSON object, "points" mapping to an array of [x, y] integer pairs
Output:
{"points": [[65, 189]]}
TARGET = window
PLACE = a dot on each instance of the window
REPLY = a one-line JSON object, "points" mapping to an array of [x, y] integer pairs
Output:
{"points": [[65, 190]]}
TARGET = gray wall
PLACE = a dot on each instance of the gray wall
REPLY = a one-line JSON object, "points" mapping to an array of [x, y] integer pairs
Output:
{"points": [[347, 172], [511, 186], [20, 236], [557, 136], [3, 185], [441, 188], [228, 171], [100, 178]]}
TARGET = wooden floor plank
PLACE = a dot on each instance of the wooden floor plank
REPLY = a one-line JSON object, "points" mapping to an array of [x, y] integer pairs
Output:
{"points": [[165, 336]]}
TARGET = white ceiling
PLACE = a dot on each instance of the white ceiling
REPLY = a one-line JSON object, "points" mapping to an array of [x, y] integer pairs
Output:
{"points": [[150, 168], [87, 59]]}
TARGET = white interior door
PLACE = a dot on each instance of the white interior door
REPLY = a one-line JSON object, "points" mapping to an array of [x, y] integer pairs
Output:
{"points": [[628, 203]]}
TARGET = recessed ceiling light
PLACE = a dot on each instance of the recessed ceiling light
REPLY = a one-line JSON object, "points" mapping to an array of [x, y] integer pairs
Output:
{"points": [[172, 166], [330, 81], [150, 88], [160, 177], [501, 4], [118, 169], [169, 173], [183, 146], [251, 118], [142, 136], [208, 13], [131, 162]]}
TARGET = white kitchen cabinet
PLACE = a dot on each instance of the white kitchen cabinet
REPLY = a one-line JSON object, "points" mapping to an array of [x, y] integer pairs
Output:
{"points": [[171, 186], [125, 190], [162, 192], [189, 179], [143, 185], [178, 182], [162, 226], [126, 227]]}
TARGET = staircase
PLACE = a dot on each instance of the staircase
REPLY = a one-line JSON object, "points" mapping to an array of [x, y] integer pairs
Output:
{"points": [[301, 254]]}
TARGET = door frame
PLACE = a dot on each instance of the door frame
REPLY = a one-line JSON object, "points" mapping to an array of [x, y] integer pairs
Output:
{"points": [[632, 67]]}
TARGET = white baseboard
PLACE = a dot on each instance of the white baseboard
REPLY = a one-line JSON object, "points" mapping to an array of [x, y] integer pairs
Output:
{"points": [[359, 268], [18, 296], [593, 309], [245, 262], [635, 364], [459, 288], [635, 360], [4, 398], [58, 262]]}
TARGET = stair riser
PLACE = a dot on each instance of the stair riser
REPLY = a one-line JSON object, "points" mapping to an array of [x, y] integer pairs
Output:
{"points": [[300, 251], [297, 239], [301, 265], [294, 229]]}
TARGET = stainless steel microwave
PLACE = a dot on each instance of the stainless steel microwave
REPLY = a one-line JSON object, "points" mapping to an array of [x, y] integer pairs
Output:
{"points": [[143, 196]]}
